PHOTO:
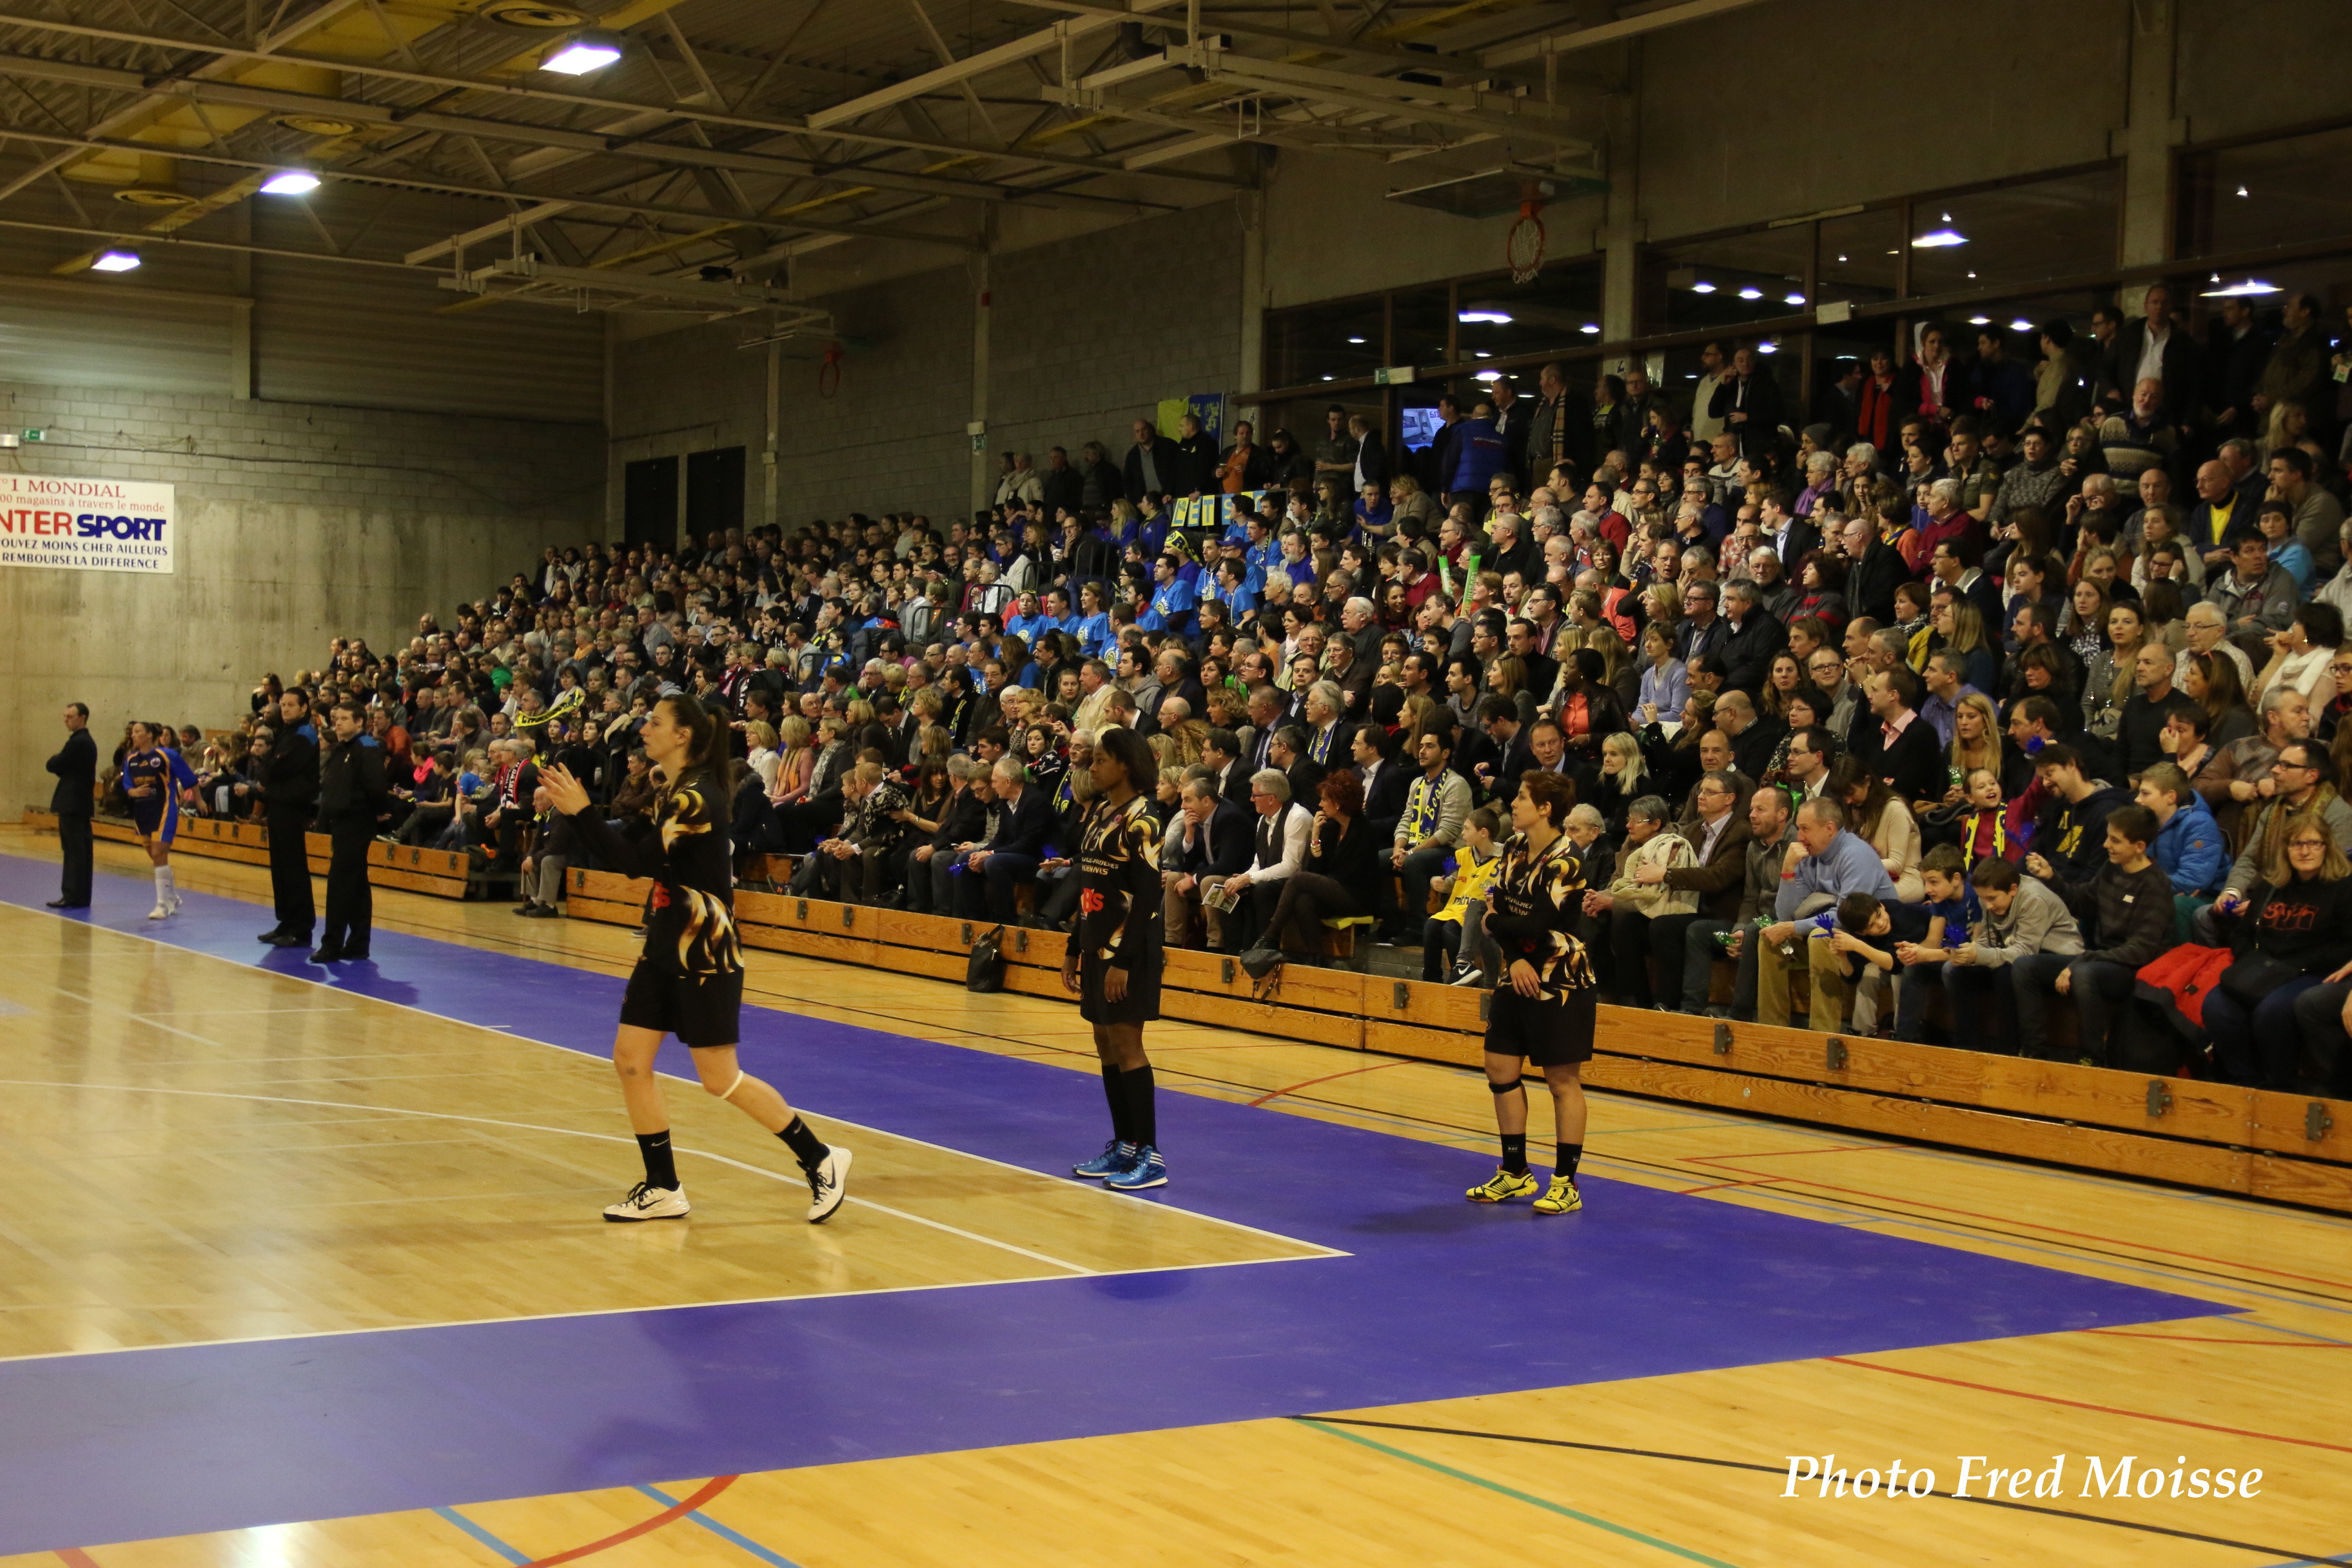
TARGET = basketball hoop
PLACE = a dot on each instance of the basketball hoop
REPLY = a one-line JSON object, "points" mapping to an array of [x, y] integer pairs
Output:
{"points": [[1523, 247], [828, 373]]}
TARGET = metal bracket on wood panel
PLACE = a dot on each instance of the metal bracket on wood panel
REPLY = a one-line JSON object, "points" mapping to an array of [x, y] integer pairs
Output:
{"points": [[1021, 941], [1836, 1055], [802, 912], [1485, 1006], [849, 917], [1400, 997], [1722, 1039], [967, 933], [2317, 1122], [1224, 972], [2160, 1098]]}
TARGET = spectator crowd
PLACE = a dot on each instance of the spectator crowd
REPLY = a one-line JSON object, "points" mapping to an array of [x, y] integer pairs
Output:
{"points": [[1961, 712]]}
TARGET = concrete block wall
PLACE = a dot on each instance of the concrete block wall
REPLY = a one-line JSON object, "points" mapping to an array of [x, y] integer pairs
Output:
{"points": [[1090, 334], [297, 524]]}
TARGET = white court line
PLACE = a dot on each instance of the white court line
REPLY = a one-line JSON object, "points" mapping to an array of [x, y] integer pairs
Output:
{"points": [[1104, 1193], [560, 1132]]}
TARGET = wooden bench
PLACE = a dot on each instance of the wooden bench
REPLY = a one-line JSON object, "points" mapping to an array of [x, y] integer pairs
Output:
{"points": [[2279, 1147], [437, 873]]}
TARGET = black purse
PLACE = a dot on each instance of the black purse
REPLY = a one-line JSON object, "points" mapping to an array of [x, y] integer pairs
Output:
{"points": [[2250, 979], [984, 970]]}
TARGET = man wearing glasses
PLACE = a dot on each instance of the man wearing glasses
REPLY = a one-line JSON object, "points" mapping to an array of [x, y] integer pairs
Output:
{"points": [[1701, 631], [2304, 780]]}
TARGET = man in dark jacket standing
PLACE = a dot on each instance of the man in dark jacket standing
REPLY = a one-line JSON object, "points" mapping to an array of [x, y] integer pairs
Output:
{"points": [[288, 786], [352, 796], [76, 765]]}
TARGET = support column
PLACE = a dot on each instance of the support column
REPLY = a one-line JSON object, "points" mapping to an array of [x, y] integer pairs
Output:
{"points": [[240, 316], [2146, 142], [767, 450], [983, 482], [1252, 208], [1621, 230]]}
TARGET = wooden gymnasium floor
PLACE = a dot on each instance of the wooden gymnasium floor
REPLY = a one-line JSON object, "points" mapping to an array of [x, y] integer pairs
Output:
{"points": [[298, 1273]]}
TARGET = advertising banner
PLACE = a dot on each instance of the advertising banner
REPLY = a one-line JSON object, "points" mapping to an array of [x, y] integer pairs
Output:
{"points": [[85, 525]]}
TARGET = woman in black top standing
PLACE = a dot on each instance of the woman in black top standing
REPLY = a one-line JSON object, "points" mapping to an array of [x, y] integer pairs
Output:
{"points": [[1113, 960], [689, 981]]}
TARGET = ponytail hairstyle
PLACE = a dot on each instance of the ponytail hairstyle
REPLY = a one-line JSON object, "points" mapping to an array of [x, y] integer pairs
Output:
{"points": [[704, 728]]}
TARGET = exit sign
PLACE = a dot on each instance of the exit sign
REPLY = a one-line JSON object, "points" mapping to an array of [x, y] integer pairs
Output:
{"points": [[1392, 375], [36, 435]]}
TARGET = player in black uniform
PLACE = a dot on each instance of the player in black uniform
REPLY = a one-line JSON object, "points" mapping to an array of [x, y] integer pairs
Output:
{"points": [[690, 979], [1545, 1015], [1113, 960]]}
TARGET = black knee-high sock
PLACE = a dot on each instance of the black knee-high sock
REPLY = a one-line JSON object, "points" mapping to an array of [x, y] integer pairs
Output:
{"points": [[1142, 1113], [661, 1164], [1114, 1091], [1514, 1154], [807, 1147], [1569, 1154]]}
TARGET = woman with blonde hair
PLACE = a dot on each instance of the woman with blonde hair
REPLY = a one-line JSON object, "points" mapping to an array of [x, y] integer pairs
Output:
{"points": [[1624, 779], [795, 758], [1407, 500], [759, 740]]}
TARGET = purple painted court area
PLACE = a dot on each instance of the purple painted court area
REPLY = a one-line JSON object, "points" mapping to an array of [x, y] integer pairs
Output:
{"points": [[1439, 1299]]}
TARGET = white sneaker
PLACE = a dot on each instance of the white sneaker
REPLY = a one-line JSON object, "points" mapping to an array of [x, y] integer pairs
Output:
{"points": [[828, 1184], [176, 904], [646, 1202], [160, 910]]}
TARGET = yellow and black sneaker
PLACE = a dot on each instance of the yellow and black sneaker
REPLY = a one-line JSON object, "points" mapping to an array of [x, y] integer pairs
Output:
{"points": [[1561, 1197], [1503, 1186]]}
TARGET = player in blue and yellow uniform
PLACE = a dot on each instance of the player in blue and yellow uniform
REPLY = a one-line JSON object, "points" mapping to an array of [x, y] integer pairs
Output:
{"points": [[156, 779]]}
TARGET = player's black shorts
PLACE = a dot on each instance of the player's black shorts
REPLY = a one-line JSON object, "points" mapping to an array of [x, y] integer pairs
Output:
{"points": [[700, 1009], [1548, 1033], [1139, 1005]]}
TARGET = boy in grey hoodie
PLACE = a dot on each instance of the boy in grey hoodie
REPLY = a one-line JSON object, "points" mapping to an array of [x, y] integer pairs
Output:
{"points": [[2022, 918]]}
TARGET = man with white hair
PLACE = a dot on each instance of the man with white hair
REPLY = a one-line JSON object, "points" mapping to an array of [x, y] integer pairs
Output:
{"points": [[1279, 851], [1775, 595], [1329, 731], [1357, 618], [2209, 632]]}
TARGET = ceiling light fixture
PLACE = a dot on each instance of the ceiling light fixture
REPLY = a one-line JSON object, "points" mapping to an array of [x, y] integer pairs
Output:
{"points": [[115, 261], [2020, 326], [1751, 293], [291, 182], [1355, 340], [1702, 288], [1935, 239], [1794, 300], [1840, 259], [1489, 318], [1590, 328], [2250, 288], [2242, 191], [1767, 348], [1981, 321], [586, 53]]}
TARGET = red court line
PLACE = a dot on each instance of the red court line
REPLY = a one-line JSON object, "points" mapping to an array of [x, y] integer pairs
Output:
{"points": [[2102, 1409], [709, 1489], [2215, 1340], [2029, 1224], [75, 1557], [1719, 1186], [1327, 1077]]}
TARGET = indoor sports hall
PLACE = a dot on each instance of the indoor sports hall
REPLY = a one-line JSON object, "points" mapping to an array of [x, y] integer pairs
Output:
{"points": [[1384, 784]]}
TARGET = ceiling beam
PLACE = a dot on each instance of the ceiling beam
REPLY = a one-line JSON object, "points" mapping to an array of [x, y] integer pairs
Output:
{"points": [[548, 203], [109, 79], [986, 60], [708, 114], [1672, 15]]}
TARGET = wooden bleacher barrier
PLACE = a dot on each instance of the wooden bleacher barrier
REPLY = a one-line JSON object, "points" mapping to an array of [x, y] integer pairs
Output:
{"points": [[2281, 1147], [437, 873]]}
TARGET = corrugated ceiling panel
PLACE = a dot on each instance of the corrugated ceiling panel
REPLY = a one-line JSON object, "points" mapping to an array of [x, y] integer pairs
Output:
{"points": [[63, 334], [362, 337]]}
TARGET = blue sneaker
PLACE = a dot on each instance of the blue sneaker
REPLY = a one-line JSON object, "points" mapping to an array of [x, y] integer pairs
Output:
{"points": [[1114, 1157], [1149, 1170]]}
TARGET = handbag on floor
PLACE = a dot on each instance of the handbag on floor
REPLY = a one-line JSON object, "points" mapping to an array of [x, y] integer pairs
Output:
{"points": [[984, 970]]}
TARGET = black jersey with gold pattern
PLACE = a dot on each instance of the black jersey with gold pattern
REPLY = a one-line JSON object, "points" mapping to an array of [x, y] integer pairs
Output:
{"points": [[1532, 911], [691, 927]]}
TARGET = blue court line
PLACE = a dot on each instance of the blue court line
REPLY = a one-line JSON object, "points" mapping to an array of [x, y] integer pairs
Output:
{"points": [[1545, 1503], [484, 1536], [733, 1537]]}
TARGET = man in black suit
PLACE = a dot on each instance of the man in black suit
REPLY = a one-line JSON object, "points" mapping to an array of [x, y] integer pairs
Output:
{"points": [[1895, 743], [1386, 780], [1514, 418], [1289, 755], [1208, 840], [76, 765], [352, 796], [2155, 347], [1328, 730], [1010, 858], [1496, 773], [1221, 753], [289, 787]]}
